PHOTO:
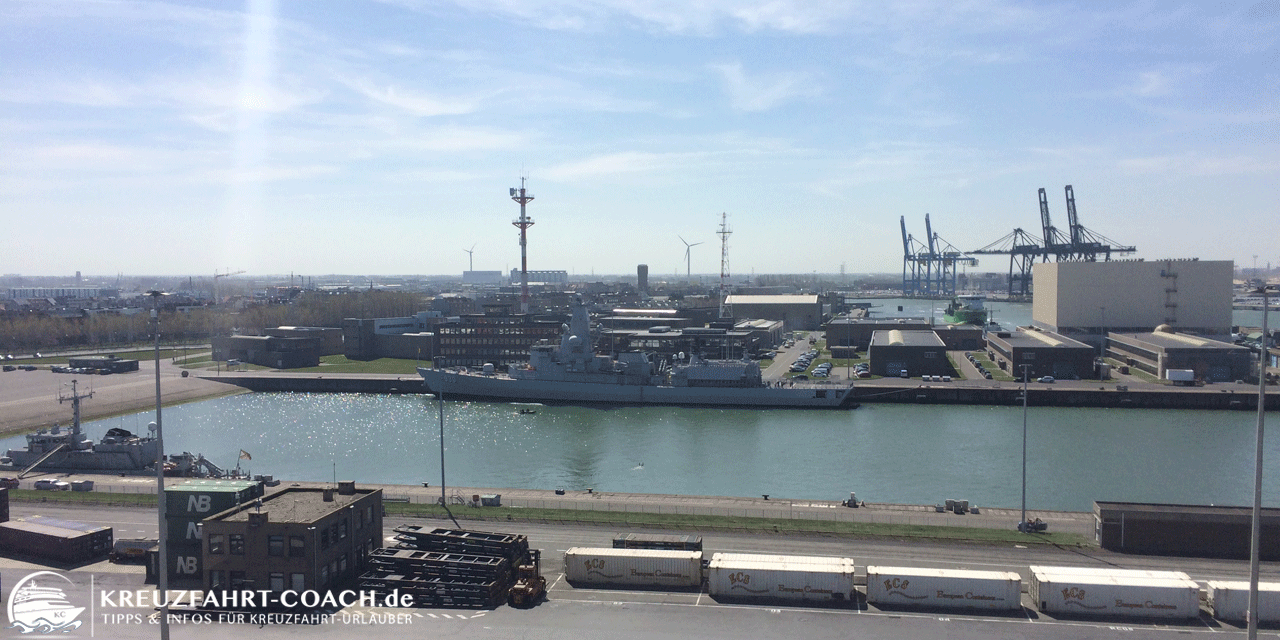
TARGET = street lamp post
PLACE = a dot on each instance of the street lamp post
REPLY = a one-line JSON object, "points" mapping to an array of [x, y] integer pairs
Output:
{"points": [[1022, 524], [163, 575], [1255, 536]]}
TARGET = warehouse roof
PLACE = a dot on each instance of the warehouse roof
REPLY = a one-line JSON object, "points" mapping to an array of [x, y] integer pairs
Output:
{"points": [[1036, 340], [1168, 340], [785, 299]]}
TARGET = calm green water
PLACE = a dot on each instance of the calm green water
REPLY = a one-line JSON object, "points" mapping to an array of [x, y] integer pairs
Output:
{"points": [[905, 454]]}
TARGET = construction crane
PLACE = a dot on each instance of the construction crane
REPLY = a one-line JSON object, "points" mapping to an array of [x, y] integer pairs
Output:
{"points": [[217, 275], [1078, 244], [929, 268]]}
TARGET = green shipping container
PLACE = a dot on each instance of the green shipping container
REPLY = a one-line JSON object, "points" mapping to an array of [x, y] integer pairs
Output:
{"points": [[203, 498]]}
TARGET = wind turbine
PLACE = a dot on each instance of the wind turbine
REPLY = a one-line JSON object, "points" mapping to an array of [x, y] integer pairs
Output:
{"points": [[687, 261], [471, 256]]}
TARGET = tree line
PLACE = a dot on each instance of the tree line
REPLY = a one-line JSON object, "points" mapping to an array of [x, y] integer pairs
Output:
{"points": [[23, 332]]}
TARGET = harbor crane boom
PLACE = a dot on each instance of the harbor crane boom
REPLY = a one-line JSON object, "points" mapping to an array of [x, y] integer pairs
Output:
{"points": [[1079, 244]]}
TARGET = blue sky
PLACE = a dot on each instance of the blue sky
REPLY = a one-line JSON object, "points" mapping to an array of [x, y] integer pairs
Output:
{"points": [[381, 137]]}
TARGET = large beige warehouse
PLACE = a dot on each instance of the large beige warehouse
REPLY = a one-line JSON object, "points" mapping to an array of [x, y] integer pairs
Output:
{"points": [[1083, 299], [797, 312]]}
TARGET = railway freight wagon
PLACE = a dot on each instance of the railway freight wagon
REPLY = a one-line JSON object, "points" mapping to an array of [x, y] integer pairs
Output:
{"points": [[944, 588], [805, 578], [1230, 600], [1117, 594], [648, 568]]}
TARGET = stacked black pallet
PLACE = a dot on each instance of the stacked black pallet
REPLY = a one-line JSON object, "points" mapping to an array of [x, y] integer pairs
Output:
{"points": [[439, 578], [510, 546]]}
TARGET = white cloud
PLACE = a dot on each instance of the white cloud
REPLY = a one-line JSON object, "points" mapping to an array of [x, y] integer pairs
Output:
{"points": [[1197, 164], [764, 91], [415, 102], [631, 162]]}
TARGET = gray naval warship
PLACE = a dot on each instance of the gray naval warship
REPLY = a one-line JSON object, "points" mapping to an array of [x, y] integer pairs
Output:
{"points": [[571, 372], [119, 451]]}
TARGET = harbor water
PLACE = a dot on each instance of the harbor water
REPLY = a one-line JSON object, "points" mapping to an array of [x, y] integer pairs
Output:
{"points": [[886, 453]]}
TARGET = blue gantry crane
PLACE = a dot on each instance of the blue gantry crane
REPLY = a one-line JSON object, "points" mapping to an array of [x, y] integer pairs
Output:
{"points": [[1077, 244], [929, 268]]}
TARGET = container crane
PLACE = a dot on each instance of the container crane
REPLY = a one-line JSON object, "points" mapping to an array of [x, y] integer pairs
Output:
{"points": [[1078, 244], [929, 268]]}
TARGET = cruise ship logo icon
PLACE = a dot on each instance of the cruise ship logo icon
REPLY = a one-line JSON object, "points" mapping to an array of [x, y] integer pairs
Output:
{"points": [[38, 605]]}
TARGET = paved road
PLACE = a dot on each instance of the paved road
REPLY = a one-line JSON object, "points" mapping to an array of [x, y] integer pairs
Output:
{"points": [[597, 613]]}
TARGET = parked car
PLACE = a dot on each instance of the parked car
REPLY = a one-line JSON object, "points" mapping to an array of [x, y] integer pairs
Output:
{"points": [[9, 367], [52, 485], [1046, 380], [9, 483]]}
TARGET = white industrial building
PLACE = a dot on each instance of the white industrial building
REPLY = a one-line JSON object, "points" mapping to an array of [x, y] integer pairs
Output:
{"points": [[1084, 300]]}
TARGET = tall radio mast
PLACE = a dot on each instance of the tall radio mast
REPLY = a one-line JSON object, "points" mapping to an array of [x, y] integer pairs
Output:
{"points": [[523, 224], [724, 232]]}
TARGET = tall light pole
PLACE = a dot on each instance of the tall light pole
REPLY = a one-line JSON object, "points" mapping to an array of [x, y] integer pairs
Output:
{"points": [[1022, 524], [163, 577], [1255, 536]]}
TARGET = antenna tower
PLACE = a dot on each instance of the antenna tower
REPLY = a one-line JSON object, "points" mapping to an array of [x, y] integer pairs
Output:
{"points": [[725, 311], [523, 224], [74, 399]]}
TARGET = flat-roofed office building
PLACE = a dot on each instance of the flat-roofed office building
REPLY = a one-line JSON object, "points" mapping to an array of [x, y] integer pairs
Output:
{"points": [[1161, 350], [296, 539], [919, 353], [1044, 354]]}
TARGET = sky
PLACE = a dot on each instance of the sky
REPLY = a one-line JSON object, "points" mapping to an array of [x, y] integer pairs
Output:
{"points": [[324, 137]]}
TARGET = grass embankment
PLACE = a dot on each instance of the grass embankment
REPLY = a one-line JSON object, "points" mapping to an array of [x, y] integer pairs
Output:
{"points": [[781, 526], [84, 498], [996, 372], [147, 355], [341, 364], [1133, 371]]}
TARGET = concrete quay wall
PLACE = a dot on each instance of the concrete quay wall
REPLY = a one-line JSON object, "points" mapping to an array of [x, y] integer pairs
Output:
{"points": [[944, 393]]}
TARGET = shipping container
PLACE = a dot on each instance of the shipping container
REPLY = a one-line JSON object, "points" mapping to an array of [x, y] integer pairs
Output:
{"points": [[182, 530], [55, 539], [944, 588], [204, 497], [185, 561], [1103, 595], [807, 578], [1230, 600], [652, 568], [657, 541], [1108, 571], [132, 549], [763, 557]]}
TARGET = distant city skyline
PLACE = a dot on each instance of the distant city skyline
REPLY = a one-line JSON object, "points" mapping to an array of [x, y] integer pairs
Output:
{"points": [[382, 137]]}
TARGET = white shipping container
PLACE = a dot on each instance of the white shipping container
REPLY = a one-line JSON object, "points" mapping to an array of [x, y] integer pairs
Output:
{"points": [[944, 588], [1108, 571], [1101, 595], [634, 567], [777, 559], [1230, 600], [812, 578]]}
